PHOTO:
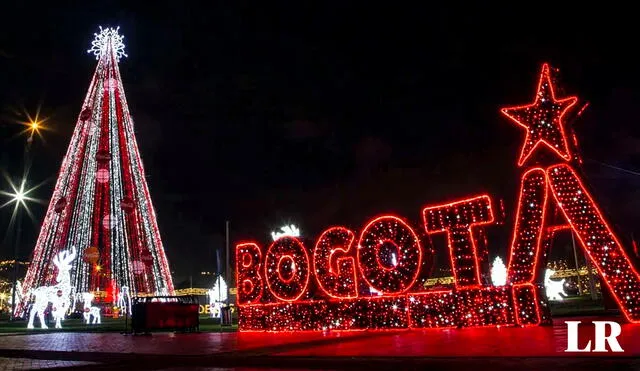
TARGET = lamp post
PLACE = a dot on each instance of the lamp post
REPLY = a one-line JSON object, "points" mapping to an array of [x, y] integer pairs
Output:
{"points": [[15, 261], [19, 196]]}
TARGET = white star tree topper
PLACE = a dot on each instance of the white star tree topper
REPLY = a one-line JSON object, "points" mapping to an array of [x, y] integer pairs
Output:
{"points": [[106, 37]]}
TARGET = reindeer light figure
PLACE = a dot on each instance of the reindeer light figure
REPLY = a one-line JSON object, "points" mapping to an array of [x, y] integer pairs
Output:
{"points": [[57, 295], [555, 289], [124, 300], [90, 311]]}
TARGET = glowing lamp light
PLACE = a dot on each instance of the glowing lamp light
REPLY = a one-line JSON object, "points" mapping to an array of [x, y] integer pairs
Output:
{"points": [[19, 196], [288, 230]]}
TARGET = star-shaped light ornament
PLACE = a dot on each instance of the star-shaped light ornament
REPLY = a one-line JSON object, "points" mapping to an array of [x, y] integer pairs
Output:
{"points": [[543, 119]]}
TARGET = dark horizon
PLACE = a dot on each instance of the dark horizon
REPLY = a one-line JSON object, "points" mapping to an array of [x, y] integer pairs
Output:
{"points": [[320, 116]]}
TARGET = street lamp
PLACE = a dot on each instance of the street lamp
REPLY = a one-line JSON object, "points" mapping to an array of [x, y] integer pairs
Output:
{"points": [[19, 196]]}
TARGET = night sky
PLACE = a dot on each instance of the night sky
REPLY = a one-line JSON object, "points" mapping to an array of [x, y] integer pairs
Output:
{"points": [[321, 115]]}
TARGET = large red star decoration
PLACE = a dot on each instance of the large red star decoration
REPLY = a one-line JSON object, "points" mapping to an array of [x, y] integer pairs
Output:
{"points": [[543, 119]]}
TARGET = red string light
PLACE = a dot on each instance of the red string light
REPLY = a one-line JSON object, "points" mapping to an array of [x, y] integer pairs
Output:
{"points": [[401, 303], [528, 229], [335, 270], [597, 238], [393, 233], [248, 264], [543, 119], [286, 269], [457, 219]]}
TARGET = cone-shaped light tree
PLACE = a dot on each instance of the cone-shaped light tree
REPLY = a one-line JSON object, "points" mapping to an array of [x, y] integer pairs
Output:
{"points": [[101, 202]]}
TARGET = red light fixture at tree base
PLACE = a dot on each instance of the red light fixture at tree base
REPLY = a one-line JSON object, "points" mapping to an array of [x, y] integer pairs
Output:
{"points": [[285, 289]]}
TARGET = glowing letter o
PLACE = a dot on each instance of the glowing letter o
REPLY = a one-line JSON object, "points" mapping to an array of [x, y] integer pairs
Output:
{"points": [[334, 265], [287, 269], [392, 231]]}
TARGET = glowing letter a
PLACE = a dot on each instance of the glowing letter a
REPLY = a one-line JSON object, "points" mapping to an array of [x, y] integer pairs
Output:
{"points": [[588, 225], [597, 238]]}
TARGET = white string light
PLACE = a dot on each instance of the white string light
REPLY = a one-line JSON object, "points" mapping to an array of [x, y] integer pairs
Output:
{"points": [[498, 272], [554, 289], [108, 37], [287, 230]]}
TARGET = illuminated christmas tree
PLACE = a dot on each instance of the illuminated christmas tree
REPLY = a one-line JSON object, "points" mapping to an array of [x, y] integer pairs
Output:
{"points": [[101, 203]]}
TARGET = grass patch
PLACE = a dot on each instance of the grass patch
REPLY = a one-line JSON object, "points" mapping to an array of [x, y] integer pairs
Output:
{"points": [[576, 306], [207, 324]]}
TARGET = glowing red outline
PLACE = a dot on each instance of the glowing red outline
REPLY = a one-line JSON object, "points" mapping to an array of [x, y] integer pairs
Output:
{"points": [[399, 258], [349, 260], [246, 264], [442, 208], [270, 318], [380, 262], [257, 265], [568, 103], [244, 288], [304, 287], [524, 292], [515, 248], [597, 263], [517, 309], [294, 268], [549, 186]]}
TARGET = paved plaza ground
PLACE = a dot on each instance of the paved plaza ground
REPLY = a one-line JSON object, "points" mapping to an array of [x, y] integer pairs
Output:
{"points": [[531, 348]]}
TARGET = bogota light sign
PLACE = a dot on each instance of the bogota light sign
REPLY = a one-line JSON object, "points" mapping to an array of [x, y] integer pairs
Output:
{"points": [[291, 287]]}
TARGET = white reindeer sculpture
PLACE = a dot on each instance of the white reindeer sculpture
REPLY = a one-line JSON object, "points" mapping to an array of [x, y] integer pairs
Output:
{"points": [[124, 300], [57, 295], [555, 289], [90, 311]]}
